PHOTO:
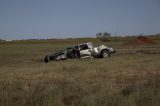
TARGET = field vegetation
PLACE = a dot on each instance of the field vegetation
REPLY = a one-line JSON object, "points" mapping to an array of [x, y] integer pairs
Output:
{"points": [[130, 77]]}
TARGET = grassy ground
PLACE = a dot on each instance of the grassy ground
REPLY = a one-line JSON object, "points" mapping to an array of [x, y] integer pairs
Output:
{"points": [[130, 77]]}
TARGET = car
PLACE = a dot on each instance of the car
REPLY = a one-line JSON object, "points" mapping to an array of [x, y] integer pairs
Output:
{"points": [[83, 50]]}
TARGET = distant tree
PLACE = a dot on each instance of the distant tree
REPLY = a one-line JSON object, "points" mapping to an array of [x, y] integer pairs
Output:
{"points": [[141, 34], [99, 35], [103, 36]]}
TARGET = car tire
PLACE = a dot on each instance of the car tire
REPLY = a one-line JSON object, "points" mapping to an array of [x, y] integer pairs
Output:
{"points": [[46, 59], [105, 53]]}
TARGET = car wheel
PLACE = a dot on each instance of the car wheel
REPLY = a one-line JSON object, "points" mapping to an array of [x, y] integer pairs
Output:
{"points": [[46, 59], [105, 53]]}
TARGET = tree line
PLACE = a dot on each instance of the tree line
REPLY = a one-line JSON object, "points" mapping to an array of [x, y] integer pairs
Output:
{"points": [[103, 36]]}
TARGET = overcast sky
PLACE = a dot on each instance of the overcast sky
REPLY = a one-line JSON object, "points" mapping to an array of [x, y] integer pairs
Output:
{"points": [[29, 19]]}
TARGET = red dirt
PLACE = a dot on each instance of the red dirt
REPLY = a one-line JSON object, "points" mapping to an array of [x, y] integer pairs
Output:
{"points": [[140, 40]]}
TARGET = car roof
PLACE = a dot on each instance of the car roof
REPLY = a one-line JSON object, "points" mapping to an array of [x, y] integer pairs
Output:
{"points": [[84, 43]]}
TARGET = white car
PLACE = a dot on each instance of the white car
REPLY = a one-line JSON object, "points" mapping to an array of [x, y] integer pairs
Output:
{"points": [[83, 50], [87, 50]]}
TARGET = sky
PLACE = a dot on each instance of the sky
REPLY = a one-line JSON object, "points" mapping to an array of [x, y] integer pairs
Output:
{"points": [[42, 19]]}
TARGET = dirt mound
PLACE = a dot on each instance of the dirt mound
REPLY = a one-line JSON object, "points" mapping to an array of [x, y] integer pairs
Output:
{"points": [[140, 40]]}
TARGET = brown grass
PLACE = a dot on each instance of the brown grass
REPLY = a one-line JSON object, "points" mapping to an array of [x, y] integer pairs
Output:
{"points": [[127, 78]]}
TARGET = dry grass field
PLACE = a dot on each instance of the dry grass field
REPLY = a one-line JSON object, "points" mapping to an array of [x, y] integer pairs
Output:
{"points": [[130, 77]]}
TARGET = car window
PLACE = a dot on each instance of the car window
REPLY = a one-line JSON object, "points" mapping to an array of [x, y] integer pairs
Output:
{"points": [[83, 47], [76, 48]]}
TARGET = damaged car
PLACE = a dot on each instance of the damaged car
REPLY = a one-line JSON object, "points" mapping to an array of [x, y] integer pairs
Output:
{"points": [[83, 50]]}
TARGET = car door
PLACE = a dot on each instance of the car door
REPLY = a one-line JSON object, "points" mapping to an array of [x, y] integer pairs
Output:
{"points": [[84, 51]]}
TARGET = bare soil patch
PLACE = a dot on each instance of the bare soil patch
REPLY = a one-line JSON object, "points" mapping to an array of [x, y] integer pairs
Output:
{"points": [[140, 40]]}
